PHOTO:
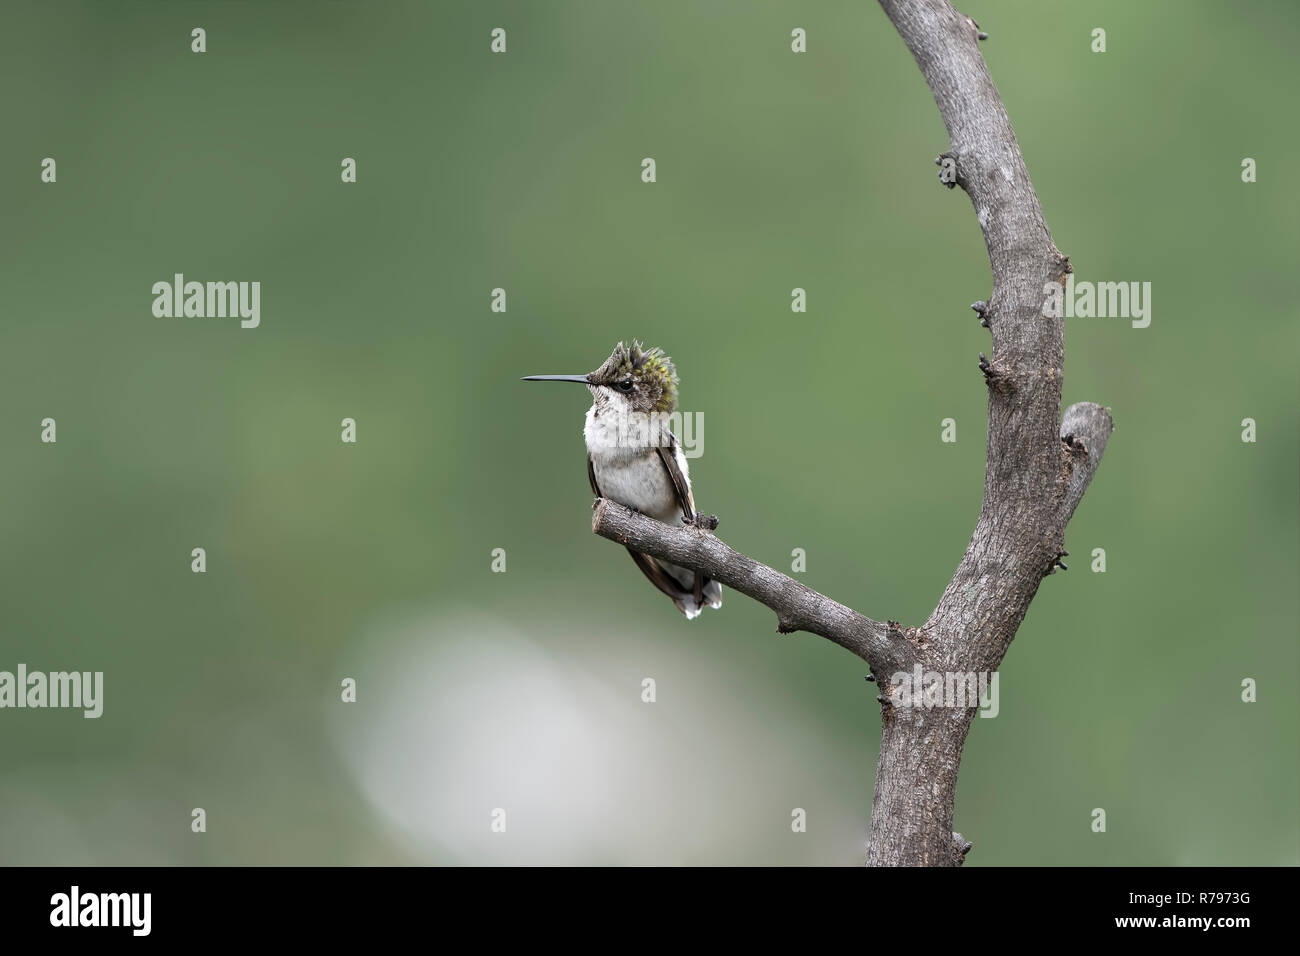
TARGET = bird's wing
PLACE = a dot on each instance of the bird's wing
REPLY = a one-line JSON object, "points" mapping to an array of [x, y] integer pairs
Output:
{"points": [[660, 578], [685, 500], [651, 568], [681, 487]]}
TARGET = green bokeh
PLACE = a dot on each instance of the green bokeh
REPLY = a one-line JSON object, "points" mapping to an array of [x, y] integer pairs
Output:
{"points": [[522, 171]]}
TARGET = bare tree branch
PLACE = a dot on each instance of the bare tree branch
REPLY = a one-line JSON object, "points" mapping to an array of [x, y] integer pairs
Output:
{"points": [[1085, 430], [797, 607], [1032, 479], [1037, 468]]}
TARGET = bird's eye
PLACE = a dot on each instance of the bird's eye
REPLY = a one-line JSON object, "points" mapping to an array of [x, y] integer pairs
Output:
{"points": [[624, 386]]}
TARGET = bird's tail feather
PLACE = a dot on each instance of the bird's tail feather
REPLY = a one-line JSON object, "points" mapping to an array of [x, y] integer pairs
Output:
{"points": [[680, 584]]}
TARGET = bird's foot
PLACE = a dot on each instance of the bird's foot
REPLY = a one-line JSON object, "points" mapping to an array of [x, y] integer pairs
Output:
{"points": [[701, 521]]}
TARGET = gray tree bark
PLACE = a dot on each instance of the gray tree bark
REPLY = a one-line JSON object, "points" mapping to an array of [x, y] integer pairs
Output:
{"points": [[1037, 468]]}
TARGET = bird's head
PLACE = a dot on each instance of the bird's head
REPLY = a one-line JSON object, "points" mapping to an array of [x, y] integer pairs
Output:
{"points": [[635, 379]]}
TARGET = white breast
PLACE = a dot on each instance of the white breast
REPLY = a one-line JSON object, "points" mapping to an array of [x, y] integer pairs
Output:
{"points": [[626, 462]]}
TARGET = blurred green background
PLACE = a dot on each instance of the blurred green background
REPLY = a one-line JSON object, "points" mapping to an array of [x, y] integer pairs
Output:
{"points": [[479, 690]]}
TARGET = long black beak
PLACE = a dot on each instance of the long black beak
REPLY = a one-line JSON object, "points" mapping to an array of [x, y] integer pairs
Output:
{"points": [[556, 378]]}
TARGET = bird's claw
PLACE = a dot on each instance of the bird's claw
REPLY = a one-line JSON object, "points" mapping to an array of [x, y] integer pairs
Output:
{"points": [[701, 521]]}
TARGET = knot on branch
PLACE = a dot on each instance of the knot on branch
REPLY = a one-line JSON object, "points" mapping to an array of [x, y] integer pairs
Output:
{"points": [[1010, 376], [948, 172], [912, 635], [1085, 430], [979, 34], [995, 377], [961, 846]]}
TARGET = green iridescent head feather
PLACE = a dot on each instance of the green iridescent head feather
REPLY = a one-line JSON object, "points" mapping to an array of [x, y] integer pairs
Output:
{"points": [[650, 371]]}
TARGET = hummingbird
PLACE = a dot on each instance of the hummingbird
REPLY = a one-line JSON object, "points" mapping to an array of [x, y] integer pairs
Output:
{"points": [[633, 458]]}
